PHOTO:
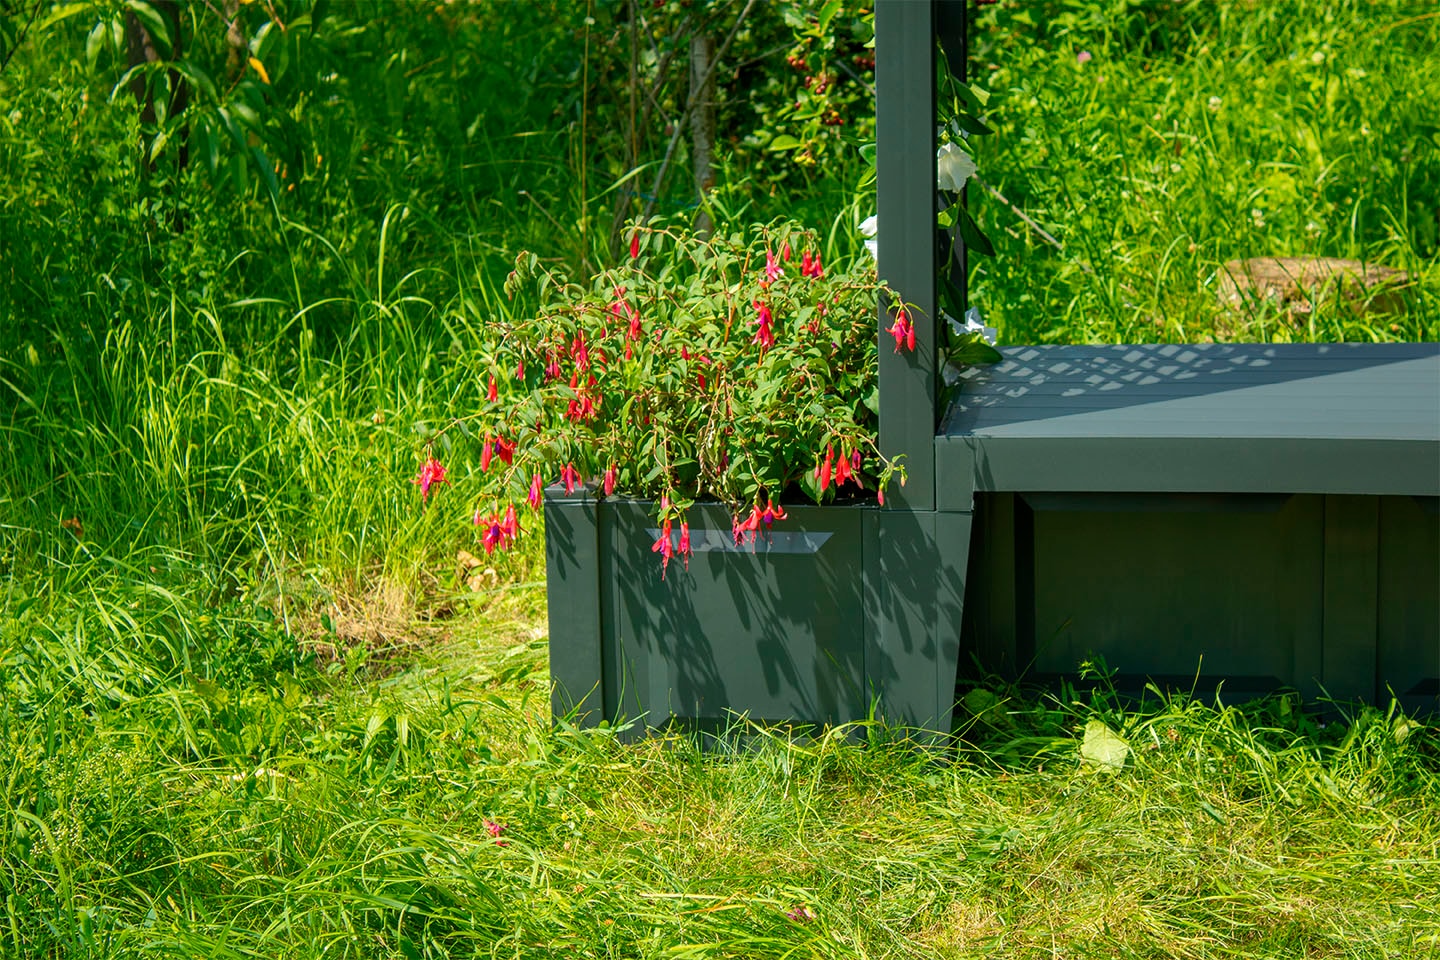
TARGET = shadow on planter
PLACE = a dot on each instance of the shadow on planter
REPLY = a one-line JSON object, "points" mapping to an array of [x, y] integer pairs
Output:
{"points": [[794, 628]]}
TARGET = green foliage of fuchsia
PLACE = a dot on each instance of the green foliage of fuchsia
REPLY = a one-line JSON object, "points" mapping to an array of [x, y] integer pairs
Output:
{"points": [[740, 369]]}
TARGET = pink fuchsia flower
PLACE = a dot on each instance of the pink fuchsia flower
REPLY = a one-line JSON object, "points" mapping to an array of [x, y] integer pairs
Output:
{"points": [[634, 244], [842, 470], [570, 477], [684, 546], [773, 270], [505, 450], [492, 534], [810, 266], [785, 252], [495, 829], [537, 487], [485, 453], [552, 369], [765, 335], [771, 513], [520, 369], [663, 546], [510, 526], [610, 479], [903, 331], [579, 352], [432, 471], [824, 470], [492, 393]]}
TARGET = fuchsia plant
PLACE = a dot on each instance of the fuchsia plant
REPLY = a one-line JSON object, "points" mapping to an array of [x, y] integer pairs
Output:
{"points": [[735, 369]]}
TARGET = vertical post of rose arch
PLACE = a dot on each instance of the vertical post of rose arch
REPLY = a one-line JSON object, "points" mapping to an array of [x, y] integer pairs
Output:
{"points": [[905, 186], [915, 565]]}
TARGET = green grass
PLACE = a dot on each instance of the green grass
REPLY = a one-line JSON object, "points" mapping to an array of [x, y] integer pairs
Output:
{"points": [[337, 807], [1199, 133], [249, 705]]}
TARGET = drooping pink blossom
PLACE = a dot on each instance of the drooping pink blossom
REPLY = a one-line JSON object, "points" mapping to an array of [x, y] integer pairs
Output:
{"points": [[505, 450], [903, 331], [492, 536], [824, 470], [432, 471], [663, 546], [634, 244], [570, 477], [610, 473], [773, 270], [537, 487], [765, 335], [492, 393], [580, 352]]}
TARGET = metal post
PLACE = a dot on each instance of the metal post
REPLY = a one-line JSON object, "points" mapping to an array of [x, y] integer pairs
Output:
{"points": [[905, 184]]}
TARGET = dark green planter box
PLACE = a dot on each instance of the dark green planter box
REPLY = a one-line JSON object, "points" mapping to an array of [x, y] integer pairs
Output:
{"points": [[800, 627]]}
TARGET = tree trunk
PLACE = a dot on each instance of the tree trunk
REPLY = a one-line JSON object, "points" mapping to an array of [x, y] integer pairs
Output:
{"points": [[702, 121], [144, 48], [236, 49]]}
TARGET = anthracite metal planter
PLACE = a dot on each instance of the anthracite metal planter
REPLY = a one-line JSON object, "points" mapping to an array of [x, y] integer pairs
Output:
{"points": [[1260, 516], [802, 625]]}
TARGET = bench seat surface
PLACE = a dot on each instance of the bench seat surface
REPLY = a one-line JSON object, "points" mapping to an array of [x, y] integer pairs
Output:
{"points": [[1292, 418]]}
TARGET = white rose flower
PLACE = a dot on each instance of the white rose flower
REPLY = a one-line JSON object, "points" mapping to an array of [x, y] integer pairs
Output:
{"points": [[953, 167], [973, 324], [869, 227]]}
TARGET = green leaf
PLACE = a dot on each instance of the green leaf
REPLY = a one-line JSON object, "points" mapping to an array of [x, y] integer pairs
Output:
{"points": [[198, 78], [94, 43], [784, 142], [972, 98], [972, 126], [64, 12], [1102, 749], [827, 13], [154, 24], [975, 351], [970, 233], [267, 170], [945, 219], [867, 153]]}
